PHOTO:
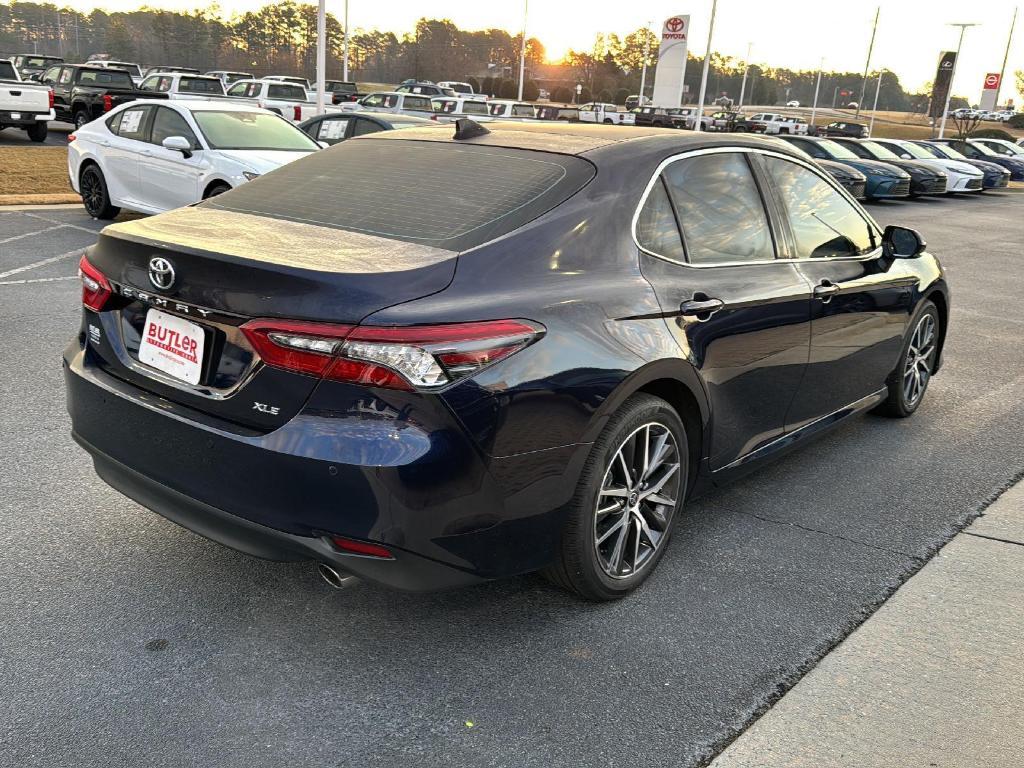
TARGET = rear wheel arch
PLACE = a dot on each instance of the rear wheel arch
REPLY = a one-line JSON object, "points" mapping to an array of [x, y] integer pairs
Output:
{"points": [[941, 302], [214, 184]]}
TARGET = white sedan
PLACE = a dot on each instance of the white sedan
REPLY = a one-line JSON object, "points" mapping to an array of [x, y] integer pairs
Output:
{"points": [[152, 156], [962, 177]]}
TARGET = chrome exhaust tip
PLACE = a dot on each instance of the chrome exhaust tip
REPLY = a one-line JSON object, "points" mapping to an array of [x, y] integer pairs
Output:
{"points": [[334, 577]]}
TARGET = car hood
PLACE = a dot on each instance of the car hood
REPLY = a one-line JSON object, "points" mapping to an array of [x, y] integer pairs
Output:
{"points": [[984, 166], [841, 170], [926, 167], [864, 166], [261, 161]]}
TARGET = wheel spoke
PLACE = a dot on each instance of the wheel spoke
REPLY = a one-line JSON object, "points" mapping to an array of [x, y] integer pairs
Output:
{"points": [[620, 492], [658, 484], [620, 546], [657, 498], [660, 453], [613, 528], [636, 544]]}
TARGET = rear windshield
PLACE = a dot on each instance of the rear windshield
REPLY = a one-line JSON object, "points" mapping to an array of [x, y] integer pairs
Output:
{"points": [[114, 78], [206, 85], [451, 196]]}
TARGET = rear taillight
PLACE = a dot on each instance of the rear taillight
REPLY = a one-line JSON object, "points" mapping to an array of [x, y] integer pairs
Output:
{"points": [[297, 113], [108, 102], [408, 357], [71, 137], [95, 286], [51, 97]]}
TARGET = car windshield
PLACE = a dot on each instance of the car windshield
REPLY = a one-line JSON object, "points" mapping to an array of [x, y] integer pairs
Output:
{"points": [[983, 149], [947, 151], [879, 151], [837, 150], [915, 151], [251, 130]]}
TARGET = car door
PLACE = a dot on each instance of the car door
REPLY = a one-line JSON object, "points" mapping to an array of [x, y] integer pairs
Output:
{"points": [[168, 179], [122, 151], [740, 314], [59, 79], [860, 299]]}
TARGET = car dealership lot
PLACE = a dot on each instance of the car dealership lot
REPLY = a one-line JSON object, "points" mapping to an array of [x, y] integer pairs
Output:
{"points": [[129, 640]]}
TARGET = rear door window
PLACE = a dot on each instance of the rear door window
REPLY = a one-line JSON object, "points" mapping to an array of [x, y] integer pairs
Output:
{"points": [[390, 190], [364, 126], [134, 123], [657, 230], [720, 209]]}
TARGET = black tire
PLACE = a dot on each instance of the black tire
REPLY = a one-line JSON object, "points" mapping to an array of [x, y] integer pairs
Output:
{"points": [[37, 132], [741, 129], [608, 121], [216, 189], [94, 194], [81, 118], [903, 400], [581, 567]]}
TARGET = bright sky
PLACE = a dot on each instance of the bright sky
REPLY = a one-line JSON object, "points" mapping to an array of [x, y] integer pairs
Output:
{"points": [[791, 33]]}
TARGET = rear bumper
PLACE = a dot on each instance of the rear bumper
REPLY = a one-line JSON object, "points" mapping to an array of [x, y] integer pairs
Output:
{"points": [[404, 475], [24, 119]]}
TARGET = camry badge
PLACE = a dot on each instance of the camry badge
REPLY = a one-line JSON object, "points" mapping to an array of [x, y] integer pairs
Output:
{"points": [[161, 273]]}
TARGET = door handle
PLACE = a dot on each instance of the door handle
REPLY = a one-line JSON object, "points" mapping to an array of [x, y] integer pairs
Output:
{"points": [[701, 305], [825, 290]]}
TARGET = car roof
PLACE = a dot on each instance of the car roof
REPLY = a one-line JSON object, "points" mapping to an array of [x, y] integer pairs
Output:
{"points": [[579, 138], [210, 106]]}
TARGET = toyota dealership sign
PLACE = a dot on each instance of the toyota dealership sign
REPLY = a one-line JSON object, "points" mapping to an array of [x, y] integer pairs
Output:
{"points": [[668, 77]]}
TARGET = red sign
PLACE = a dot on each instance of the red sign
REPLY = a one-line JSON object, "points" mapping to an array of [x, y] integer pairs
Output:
{"points": [[991, 81]]}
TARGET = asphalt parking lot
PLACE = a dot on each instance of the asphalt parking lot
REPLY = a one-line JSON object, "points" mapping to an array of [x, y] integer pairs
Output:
{"points": [[56, 137], [126, 640]]}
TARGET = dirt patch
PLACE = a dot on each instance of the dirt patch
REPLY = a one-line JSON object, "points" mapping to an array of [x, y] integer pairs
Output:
{"points": [[33, 171]]}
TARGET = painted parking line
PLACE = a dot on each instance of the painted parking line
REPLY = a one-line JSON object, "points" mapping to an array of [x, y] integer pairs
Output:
{"points": [[61, 223], [38, 280], [41, 263], [32, 234]]}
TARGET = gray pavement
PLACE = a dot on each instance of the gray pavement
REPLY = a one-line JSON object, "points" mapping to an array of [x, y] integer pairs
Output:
{"points": [[125, 640], [932, 679], [57, 136]]}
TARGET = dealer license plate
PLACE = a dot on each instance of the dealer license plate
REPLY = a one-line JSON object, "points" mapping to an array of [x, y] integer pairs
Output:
{"points": [[173, 345], [15, 115]]}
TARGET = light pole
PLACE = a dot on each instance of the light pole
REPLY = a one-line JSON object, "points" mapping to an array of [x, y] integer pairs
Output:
{"points": [[321, 54], [698, 123], [817, 87], [867, 64], [746, 68], [643, 70], [952, 76], [522, 52], [1002, 72], [874, 108], [344, 48]]}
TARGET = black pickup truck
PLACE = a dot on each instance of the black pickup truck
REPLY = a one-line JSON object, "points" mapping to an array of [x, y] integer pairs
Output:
{"points": [[82, 93]]}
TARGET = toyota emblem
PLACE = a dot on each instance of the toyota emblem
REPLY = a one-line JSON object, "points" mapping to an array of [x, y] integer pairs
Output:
{"points": [[161, 273]]}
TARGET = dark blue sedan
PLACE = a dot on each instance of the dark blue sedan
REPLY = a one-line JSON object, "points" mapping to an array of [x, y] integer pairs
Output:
{"points": [[883, 180], [977, 151], [996, 177]]}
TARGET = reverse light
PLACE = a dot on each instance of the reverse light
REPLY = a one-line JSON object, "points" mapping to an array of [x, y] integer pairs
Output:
{"points": [[422, 357], [95, 286]]}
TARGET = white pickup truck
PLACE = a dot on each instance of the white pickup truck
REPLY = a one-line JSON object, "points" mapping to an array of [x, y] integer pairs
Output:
{"points": [[24, 105], [597, 112], [184, 87], [289, 100], [774, 124]]}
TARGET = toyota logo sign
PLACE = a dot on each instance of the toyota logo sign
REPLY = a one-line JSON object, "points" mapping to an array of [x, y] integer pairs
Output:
{"points": [[675, 24], [161, 273]]}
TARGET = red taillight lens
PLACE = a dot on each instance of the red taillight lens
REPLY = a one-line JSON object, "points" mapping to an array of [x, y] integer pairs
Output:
{"points": [[408, 357], [108, 102], [95, 286], [364, 548], [297, 113], [71, 137], [51, 98]]}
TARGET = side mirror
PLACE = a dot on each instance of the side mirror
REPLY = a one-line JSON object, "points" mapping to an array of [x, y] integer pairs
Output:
{"points": [[902, 242], [178, 144]]}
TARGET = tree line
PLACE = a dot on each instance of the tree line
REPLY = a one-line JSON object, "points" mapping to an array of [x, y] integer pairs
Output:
{"points": [[281, 39]]}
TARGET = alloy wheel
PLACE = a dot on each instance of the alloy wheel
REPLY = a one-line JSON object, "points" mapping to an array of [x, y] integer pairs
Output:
{"points": [[917, 369], [638, 496], [92, 191]]}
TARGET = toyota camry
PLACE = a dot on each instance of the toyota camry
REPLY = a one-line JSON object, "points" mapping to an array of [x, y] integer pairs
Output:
{"points": [[494, 352]]}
